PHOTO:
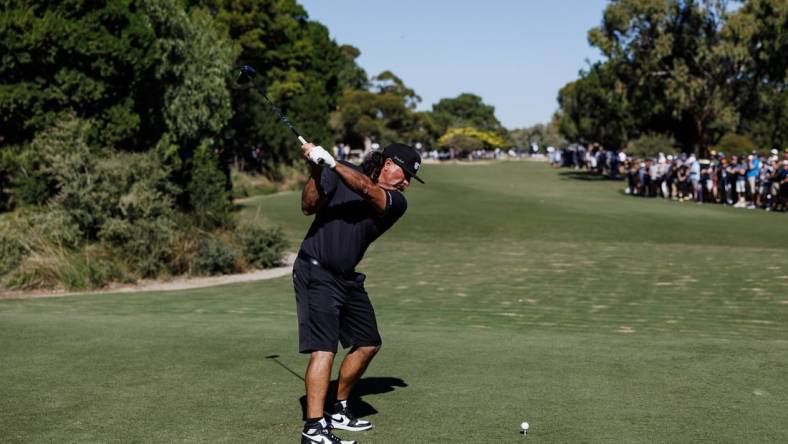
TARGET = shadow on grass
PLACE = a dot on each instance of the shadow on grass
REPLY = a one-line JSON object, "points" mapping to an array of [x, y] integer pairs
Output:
{"points": [[583, 175], [365, 387]]}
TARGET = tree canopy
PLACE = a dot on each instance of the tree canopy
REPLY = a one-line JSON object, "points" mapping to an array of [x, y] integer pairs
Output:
{"points": [[688, 69]]}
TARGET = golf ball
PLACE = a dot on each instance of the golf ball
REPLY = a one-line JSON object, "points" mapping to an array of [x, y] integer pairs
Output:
{"points": [[524, 426]]}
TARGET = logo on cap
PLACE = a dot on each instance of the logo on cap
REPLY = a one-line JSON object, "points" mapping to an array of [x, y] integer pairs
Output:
{"points": [[416, 166]]}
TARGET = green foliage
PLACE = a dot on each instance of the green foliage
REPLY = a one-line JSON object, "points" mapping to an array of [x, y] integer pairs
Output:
{"points": [[11, 253], [756, 36], [210, 202], [261, 246], [8, 164], [542, 135], [79, 270], [193, 64], [141, 224], [248, 185], [685, 68], [214, 256], [595, 108], [465, 110], [90, 58], [384, 114], [54, 157], [735, 145], [40, 229], [83, 84], [651, 145], [301, 67]]}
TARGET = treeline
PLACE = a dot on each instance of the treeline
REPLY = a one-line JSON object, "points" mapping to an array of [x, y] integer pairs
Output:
{"points": [[686, 73], [158, 76], [121, 119]]}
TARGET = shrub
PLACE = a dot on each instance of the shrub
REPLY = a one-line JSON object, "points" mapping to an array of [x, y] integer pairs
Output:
{"points": [[214, 256], [207, 190], [145, 244], [53, 227], [735, 145], [11, 253], [261, 246], [248, 185], [86, 269]]}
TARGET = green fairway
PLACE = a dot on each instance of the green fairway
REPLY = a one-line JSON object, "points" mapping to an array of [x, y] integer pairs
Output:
{"points": [[508, 292]]}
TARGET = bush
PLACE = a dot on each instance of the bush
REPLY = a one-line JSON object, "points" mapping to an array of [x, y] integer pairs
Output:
{"points": [[89, 269], [86, 269], [207, 190], [650, 145], [214, 256], [11, 253], [145, 244], [248, 185], [262, 247], [735, 145], [54, 227]]}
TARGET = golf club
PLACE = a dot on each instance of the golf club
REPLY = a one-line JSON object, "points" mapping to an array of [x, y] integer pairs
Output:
{"points": [[274, 358], [247, 73]]}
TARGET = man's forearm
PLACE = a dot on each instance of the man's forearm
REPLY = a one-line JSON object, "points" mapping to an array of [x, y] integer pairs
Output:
{"points": [[362, 185], [310, 196], [356, 181]]}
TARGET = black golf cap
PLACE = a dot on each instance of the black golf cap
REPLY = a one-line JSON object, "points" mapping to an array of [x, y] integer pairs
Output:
{"points": [[406, 157]]}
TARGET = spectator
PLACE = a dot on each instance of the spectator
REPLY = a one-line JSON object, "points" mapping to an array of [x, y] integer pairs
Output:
{"points": [[694, 177], [753, 169]]}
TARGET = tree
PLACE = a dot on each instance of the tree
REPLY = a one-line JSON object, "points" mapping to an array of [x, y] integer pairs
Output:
{"points": [[596, 108], [665, 70], [94, 59], [383, 114], [756, 37], [140, 74], [465, 110], [540, 134], [302, 69], [469, 139]]}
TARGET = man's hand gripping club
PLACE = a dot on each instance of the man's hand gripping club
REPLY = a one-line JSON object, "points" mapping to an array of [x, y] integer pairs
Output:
{"points": [[318, 155], [356, 181]]}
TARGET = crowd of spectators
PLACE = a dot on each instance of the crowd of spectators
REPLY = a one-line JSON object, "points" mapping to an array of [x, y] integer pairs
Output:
{"points": [[758, 180], [754, 181]]}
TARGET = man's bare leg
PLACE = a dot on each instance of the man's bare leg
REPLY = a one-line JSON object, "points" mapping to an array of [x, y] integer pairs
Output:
{"points": [[353, 366], [318, 375]]}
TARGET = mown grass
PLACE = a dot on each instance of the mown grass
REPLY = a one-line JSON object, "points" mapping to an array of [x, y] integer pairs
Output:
{"points": [[509, 292]]}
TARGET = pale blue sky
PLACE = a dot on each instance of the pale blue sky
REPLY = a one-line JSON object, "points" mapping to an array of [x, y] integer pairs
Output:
{"points": [[516, 55]]}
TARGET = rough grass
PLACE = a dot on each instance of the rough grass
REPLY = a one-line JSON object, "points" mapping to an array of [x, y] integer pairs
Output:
{"points": [[509, 292]]}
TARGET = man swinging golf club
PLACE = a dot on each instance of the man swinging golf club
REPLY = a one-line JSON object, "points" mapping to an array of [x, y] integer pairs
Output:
{"points": [[353, 206]]}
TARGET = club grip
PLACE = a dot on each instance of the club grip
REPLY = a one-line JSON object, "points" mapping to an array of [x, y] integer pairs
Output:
{"points": [[302, 140]]}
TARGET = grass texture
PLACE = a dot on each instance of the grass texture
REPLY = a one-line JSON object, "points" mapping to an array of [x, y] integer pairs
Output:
{"points": [[508, 292]]}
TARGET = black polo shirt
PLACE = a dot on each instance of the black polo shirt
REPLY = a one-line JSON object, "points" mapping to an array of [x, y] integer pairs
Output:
{"points": [[347, 224]]}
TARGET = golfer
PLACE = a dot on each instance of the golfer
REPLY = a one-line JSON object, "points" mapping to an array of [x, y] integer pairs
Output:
{"points": [[353, 206]]}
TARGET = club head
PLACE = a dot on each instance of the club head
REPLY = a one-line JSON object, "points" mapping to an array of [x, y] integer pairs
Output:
{"points": [[248, 70], [245, 74]]}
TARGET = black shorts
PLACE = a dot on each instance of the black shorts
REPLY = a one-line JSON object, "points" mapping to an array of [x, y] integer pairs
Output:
{"points": [[331, 308]]}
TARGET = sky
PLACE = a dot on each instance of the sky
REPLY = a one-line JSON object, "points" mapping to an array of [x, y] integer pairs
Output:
{"points": [[515, 54]]}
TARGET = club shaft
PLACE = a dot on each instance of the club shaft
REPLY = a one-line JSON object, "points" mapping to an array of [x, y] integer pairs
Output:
{"points": [[279, 113]]}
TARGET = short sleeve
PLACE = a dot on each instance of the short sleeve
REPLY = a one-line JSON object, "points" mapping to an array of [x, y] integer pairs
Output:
{"points": [[396, 204], [328, 181]]}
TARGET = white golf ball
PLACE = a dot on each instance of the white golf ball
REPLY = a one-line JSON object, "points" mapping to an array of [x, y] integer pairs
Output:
{"points": [[524, 426]]}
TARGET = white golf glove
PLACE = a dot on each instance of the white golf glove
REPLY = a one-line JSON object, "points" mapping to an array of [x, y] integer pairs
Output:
{"points": [[318, 154]]}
